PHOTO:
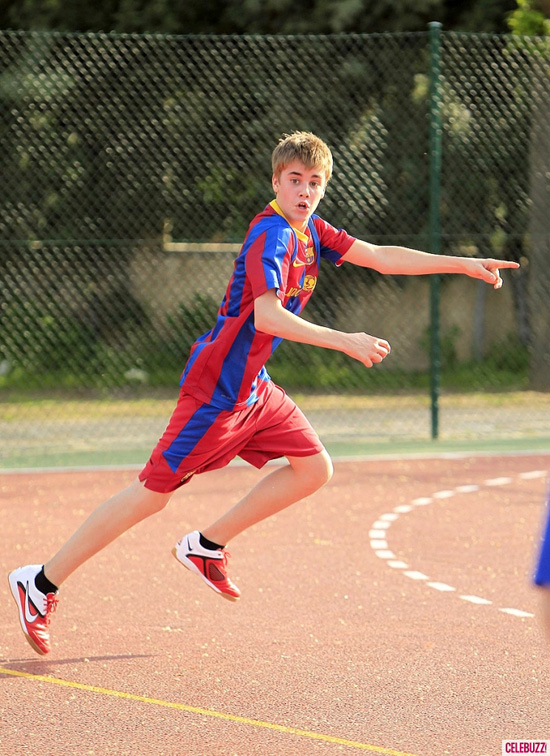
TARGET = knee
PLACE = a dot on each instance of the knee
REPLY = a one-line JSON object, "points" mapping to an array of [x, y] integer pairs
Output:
{"points": [[157, 503], [151, 502], [315, 470], [326, 468]]}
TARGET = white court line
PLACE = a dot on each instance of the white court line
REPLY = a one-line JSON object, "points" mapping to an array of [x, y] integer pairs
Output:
{"points": [[384, 522], [476, 600], [497, 482], [377, 545], [517, 612], [443, 494], [414, 575], [442, 587], [377, 533], [384, 554], [469, 488]]}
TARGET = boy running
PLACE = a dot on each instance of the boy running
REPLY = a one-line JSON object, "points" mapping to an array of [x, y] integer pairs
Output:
{"points": [[228, 406]]}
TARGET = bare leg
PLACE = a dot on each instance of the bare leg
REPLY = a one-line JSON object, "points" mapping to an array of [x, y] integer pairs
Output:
{"points": [[112, 518], [302, 477]]}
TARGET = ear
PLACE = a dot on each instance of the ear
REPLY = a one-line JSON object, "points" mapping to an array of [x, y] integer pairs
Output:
{"points": [[275, 183]]}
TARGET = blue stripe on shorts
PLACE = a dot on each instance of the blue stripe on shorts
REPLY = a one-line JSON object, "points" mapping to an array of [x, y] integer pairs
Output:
{"points": [[190, 435]]}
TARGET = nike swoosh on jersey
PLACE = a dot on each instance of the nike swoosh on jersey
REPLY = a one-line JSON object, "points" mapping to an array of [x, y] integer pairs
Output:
{"points": [[298, 263]]}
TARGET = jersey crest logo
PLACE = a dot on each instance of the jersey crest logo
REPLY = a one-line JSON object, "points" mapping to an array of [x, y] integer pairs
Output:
{"points": [[309, 283], [310, 258]]}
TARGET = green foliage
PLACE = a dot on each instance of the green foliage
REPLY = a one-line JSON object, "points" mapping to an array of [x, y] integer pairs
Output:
{"points": [[305, 368], [49, 340], [254, 16], [448, 354], [505, 368], [529, 20], [70, 340], [509, 355], [118, 138], [182, 329], [477, 15]]}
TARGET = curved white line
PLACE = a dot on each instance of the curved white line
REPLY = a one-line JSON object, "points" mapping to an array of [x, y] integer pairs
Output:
{"points": [[380, 530]]}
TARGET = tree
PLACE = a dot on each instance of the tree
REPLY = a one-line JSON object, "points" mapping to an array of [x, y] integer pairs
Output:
{"points": [[530, 18], [255, 16]]}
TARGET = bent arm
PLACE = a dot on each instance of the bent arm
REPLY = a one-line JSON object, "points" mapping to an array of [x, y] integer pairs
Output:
{"points": [[412, 262], [272, 318]]}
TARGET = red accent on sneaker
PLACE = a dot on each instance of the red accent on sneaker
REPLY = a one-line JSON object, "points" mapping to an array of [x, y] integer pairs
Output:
{"points": [[212, 570], [35, 625]]}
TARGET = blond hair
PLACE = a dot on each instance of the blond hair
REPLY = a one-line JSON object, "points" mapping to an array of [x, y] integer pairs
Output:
{"points": [[305, 147]]}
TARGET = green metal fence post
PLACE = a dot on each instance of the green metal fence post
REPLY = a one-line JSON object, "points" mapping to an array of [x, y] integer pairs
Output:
{"points": [[434, 218]]}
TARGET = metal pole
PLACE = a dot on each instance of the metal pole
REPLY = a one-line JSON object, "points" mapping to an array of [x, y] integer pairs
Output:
{"points": [[435, 217]]}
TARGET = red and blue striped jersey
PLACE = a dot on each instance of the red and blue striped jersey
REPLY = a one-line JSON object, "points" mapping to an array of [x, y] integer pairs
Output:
{"points": [[227, 363]]}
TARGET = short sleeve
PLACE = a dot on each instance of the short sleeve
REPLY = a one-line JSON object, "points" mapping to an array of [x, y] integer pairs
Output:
{"points": [[334, 242], [267, 259]]}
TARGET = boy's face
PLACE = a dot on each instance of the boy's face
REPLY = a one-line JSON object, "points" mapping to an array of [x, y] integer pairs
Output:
{"points": [[299, 190]]}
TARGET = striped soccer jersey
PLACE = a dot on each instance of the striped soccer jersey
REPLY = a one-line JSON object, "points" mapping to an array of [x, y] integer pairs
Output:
{"points": [[227, 364]]}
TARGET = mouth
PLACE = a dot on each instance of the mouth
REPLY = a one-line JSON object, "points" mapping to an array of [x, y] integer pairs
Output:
{"points": [[303, 206]]}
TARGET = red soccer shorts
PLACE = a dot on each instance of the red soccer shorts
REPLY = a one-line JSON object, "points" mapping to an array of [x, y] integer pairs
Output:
{"points": [[200, 437]]}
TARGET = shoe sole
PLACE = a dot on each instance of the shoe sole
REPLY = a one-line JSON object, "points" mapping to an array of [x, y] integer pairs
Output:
{"points": [[192, 568], [15, 593]]}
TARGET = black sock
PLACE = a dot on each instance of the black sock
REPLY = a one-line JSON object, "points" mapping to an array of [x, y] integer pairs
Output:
{"points": [[43, 584], [206, 544]]}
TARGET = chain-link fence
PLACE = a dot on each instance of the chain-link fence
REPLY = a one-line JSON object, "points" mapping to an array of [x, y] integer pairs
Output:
{"points": [[131, 166]]}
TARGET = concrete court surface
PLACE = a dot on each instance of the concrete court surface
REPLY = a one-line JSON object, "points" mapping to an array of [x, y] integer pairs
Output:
{"points": [[390, 613]]}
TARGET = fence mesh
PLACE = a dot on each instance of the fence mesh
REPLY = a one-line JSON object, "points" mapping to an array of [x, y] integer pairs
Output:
{"points": [[132, 165]]}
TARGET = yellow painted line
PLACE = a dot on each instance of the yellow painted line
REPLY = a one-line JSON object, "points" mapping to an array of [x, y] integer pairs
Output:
{"points": [[208, 713]]}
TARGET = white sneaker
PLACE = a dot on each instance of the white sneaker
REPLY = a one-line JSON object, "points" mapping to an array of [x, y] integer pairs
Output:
{"points": [[35, 607], [209, 564]]}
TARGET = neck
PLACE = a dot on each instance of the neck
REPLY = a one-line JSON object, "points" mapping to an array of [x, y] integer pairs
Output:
{"points": [[301, 228]]}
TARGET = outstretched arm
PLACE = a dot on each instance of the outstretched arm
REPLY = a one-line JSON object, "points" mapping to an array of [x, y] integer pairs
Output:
{"points": [[271, 317], [411, 262]]}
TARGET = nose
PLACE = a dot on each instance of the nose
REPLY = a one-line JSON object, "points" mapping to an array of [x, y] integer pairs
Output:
{"points": [[305, 190]]}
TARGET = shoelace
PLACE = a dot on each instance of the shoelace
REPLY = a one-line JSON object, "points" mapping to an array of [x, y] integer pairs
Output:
{"points": [[51, 606], [225, 556]]}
